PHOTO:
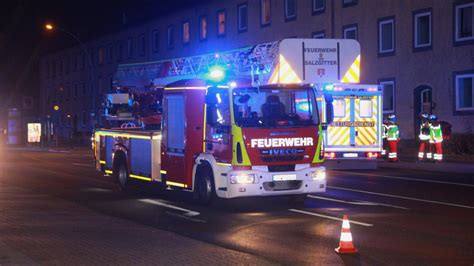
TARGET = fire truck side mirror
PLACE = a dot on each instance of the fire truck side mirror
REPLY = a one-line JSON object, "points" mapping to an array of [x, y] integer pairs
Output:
{"points": [[329, 109]]}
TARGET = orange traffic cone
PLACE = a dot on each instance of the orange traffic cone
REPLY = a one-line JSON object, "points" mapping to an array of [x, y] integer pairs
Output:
{"points": [[345, 244]]}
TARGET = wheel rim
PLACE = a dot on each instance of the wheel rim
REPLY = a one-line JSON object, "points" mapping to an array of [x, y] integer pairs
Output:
{"points": [[205, 188], [122, 176]]}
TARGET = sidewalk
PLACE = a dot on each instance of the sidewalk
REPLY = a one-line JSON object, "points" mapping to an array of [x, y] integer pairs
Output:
{"points": [[444, 167], [36, 228]]}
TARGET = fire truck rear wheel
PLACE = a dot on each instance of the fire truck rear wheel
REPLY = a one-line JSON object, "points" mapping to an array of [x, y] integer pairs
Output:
{"points": [[122, 175], [204, 191]]}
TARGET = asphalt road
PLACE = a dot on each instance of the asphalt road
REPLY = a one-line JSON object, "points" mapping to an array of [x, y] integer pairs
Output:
{"points": [[397, 217]]}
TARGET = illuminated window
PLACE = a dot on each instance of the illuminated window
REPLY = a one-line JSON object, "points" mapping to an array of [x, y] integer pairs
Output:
{"points": [[388, 88], [365, 108], [170, 35], [290, 10], [265, 12], [203, 28], [243, 17], [386, 34], [464, 23], [221, 23], [319, 6], [422, 29], [186, 32], [339, 108], [156, 41], [350, 32]]}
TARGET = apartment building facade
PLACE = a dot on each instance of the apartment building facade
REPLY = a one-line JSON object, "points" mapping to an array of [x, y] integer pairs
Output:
{"points": [[421, 52]]}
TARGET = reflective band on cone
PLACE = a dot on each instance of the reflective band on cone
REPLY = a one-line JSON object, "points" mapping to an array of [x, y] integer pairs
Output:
{"points": [[345, 243]]}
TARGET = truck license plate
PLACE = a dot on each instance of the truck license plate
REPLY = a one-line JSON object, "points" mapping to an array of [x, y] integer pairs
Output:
{"points": [[350, 155], [284, 177]]}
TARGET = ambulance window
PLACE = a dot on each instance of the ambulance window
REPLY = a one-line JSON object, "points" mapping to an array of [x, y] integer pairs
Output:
{"points": [[339, 108], [365, 108]]}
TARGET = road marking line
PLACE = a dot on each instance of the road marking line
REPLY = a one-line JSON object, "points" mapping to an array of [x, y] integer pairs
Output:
{"points": [[81, 164], [365, 203], [187, 212], [184, 217], [407, 178], [401, 197], [328, 217]]}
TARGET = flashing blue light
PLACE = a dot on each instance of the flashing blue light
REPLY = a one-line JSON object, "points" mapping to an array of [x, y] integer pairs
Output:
{"points": [[216, 73], [329, 87]]}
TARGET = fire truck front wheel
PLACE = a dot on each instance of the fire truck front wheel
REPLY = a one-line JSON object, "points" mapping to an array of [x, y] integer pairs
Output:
{"points": [[204, 191]]}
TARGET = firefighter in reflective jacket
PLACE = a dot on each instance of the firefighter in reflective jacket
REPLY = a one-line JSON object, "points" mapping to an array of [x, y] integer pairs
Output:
{"points": [[425, 145], [436, 138], [384, 137], [393, 136]]}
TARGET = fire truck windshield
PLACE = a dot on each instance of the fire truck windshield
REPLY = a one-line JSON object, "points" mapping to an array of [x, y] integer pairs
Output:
{"points": [[275, 107]]}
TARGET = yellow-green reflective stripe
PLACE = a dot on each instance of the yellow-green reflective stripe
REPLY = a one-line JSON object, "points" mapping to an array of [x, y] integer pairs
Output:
{"points": [[175, 184], [163, 172], [140, 177], [109, 172], [102, 162], [123, 135]]}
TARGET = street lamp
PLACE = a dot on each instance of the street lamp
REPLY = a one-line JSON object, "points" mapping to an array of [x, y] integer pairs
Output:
{"points": [[51, 27]]}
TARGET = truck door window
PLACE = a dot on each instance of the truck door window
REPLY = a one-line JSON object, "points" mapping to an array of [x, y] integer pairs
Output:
{"points": [[175, 121], [365, 108], [218, 110], [339, 108]]}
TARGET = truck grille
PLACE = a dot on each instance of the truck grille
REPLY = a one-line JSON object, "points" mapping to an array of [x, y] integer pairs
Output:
{"points": [[282, 185], [281, 168], [270, 159]]}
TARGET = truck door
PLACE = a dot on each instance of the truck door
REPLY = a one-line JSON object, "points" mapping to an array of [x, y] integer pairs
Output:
{"points": [[338, 134], [218, 125], [173, 144], [365, 123]]}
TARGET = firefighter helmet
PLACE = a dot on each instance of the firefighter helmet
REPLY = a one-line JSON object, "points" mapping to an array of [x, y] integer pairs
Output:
{"points": [[392, 118], [424, 115], [433, 117]]}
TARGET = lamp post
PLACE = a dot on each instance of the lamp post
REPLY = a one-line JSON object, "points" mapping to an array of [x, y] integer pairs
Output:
{"points": [[52, 27]]}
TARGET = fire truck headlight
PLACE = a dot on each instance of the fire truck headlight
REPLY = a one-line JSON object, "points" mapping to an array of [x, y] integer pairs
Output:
{"points": [[318, 175], [243, 179]]}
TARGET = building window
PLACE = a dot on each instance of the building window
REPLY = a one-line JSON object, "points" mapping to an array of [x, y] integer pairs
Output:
{"points": [[83, 118], [60, 71], [170, 40], [53, 72], [242, 17], [74, 62], [221, 23], [76, 90], [346, 3], [129, 47], [186, 32], [464, 86], [119, 51], [265, 12], [464, 23], [83, 89], [101, 55], [110, 55], [319, 34], [350, 32], [156, 41], [422, 29], [142, 44], [388, 87], [290, 10], [83, 61], [319, 6], [386, 36], [202, 28]]}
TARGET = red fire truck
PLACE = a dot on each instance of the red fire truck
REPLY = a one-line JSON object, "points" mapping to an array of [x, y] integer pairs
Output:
{"points": [[257, 133]]}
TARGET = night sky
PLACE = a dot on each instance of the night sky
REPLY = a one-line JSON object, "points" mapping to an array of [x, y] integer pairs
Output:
{"points": [[23, 41]]}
